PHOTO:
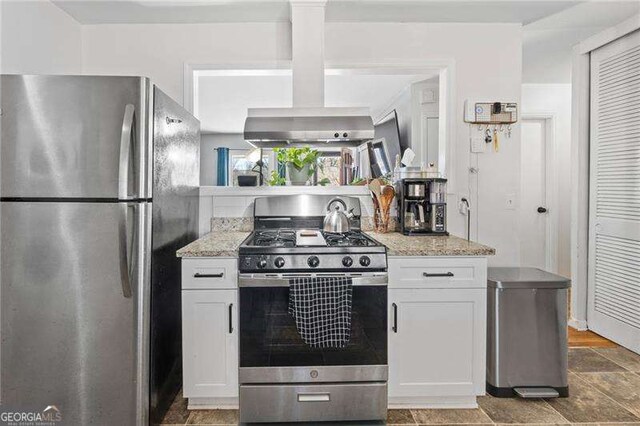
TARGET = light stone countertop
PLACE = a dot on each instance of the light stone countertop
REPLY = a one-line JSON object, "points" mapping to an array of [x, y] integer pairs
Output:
{"points": [[430, 245], [215, 244], [226, 243]]}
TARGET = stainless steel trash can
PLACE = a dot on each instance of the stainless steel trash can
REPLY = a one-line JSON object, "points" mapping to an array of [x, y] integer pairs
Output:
{"points": [[527, 333]]}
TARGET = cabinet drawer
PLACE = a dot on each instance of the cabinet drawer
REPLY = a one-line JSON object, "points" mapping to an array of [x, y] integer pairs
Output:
{"points": [[209, 273], [437, 272]]}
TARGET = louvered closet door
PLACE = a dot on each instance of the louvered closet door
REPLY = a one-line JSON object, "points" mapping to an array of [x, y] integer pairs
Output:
{"points": [[614, 234]]}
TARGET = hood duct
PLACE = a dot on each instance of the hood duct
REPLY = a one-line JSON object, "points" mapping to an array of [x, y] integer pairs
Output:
{"points": [[286, 127], [308, 123]]}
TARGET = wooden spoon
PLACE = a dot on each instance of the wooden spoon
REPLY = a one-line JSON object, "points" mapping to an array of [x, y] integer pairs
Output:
{"points": [[376, 188], [388, 192]]}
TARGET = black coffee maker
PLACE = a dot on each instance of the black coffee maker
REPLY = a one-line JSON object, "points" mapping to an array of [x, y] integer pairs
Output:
{"points": [[422, 206]]}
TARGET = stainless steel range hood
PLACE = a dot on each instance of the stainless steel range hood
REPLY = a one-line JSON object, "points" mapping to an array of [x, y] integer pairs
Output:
{"points": [[308, 123], [284, 127]]}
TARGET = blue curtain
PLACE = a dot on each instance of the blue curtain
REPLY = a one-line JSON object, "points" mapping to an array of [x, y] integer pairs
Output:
{"points": [[223, 167]]}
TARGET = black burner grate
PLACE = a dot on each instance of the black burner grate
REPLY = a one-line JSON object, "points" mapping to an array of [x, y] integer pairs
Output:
{"points": [[347, 239], [274, 238]]}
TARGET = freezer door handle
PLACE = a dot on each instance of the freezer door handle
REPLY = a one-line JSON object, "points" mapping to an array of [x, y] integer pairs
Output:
{"points": [[125, 151], [125, 258]]}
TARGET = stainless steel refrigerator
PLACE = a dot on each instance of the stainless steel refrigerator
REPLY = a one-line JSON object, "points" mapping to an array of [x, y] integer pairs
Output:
{"points": [[99, 181]]}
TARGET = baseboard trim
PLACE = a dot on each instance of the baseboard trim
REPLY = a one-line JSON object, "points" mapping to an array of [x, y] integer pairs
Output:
{"points": [[580, 325], [230, 403], [432, 402]]}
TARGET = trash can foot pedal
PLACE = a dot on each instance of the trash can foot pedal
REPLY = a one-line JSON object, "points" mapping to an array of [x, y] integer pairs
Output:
{"points": [[536, 392]]}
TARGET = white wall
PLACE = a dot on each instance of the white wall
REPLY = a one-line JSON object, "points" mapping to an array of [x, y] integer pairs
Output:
{"points": [[38, 38], [209, 155], [556, 99], [160, 51], [490, 71]]}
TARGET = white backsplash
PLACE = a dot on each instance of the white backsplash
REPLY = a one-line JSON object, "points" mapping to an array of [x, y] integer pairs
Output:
{"points": [[237, 202]]}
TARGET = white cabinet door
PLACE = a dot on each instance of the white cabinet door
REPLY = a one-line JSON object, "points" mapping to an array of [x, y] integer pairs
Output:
{"points": [[436, 342], [210, 343]]}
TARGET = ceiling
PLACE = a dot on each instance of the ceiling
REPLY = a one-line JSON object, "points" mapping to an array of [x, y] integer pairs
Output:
{"points": [[548, 42], [167, 11], [222, 101]]}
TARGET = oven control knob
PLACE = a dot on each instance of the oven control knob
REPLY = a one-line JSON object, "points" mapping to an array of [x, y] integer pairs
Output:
{"points": [[313, 261], [365, 261], [347, 261], [279, 262], [262, 263]]}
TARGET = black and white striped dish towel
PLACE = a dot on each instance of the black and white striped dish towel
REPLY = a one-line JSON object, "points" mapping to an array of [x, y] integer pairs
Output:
{"points": [[321, 307]]}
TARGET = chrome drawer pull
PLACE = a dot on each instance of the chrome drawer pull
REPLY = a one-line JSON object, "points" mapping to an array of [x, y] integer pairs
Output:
{"points": [[199, 275], [314, 397], [444, 274]]}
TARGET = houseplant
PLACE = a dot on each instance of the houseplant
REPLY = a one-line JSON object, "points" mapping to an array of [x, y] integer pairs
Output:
{"points": [[301, 163]]}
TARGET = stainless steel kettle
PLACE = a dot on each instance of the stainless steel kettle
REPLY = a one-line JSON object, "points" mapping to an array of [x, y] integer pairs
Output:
{"points": [[336, 221]]}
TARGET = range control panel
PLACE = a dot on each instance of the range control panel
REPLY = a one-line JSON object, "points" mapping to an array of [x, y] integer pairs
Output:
{"points": [[312, 262]]}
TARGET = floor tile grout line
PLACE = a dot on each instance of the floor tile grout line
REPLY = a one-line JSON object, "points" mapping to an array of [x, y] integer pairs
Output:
{"points": [[612, 360], [552, 407], [607, 396], [415, 422], [486, 414]]}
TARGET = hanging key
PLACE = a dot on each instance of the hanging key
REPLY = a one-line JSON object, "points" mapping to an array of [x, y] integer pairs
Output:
{"points": [[487, 136]]}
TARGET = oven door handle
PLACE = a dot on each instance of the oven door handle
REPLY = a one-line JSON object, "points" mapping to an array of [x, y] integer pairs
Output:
{"points": [[250, 280]]}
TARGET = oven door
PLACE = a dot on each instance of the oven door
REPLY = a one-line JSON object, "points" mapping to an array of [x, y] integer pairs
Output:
{"points": [[272, 351]]}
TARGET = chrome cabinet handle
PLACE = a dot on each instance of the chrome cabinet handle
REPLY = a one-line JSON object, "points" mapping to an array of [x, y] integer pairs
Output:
{"points": [[199, 275], [125, 150], [395, 318], [230, 318], [125, 261], [444, 274]]}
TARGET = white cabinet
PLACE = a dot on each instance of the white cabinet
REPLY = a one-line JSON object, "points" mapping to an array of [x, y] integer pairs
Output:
{"points": [[437, 332], [209, 334]]}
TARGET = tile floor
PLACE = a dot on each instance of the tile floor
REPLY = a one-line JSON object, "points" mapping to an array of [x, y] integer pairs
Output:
{"points": [[604, 387]]}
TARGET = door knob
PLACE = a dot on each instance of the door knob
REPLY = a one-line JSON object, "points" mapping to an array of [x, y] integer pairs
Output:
{"points": [[542, 210]]}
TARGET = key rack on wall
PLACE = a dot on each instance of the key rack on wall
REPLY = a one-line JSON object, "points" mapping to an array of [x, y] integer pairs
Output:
{"points": [[492, 118]]}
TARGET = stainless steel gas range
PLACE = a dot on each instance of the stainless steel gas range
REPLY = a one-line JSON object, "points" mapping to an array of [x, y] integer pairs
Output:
{"points": [[282, 378]]}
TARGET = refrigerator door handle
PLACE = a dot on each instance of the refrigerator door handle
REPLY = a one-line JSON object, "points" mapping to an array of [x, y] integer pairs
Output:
{"points": [[125, 151], [125, 261]]}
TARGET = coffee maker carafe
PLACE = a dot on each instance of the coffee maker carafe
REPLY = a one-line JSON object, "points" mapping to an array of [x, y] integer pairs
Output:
{"points": [[422, 206]]}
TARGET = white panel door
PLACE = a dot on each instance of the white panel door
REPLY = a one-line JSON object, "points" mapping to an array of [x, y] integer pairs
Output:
{"points": [[210, 343], [436, 342], [614, 215], [533, 208]]}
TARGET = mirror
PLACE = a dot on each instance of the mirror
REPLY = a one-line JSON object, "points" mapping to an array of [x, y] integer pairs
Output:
{"points": [[404, 107]]}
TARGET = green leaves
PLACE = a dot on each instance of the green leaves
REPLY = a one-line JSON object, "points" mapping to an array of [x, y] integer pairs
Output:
{"points": [[276, 179], [298, 157]]}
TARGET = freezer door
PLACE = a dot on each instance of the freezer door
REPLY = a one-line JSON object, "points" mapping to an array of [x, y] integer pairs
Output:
{"points": [[74, 331], [74, 136]]}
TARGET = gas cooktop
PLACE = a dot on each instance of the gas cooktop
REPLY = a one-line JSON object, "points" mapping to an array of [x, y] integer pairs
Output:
{"points": [[289, 238], [289, 250]]}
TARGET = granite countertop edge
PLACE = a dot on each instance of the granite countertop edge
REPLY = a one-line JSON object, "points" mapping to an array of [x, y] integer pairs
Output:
{"points": [[226, 244]]}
